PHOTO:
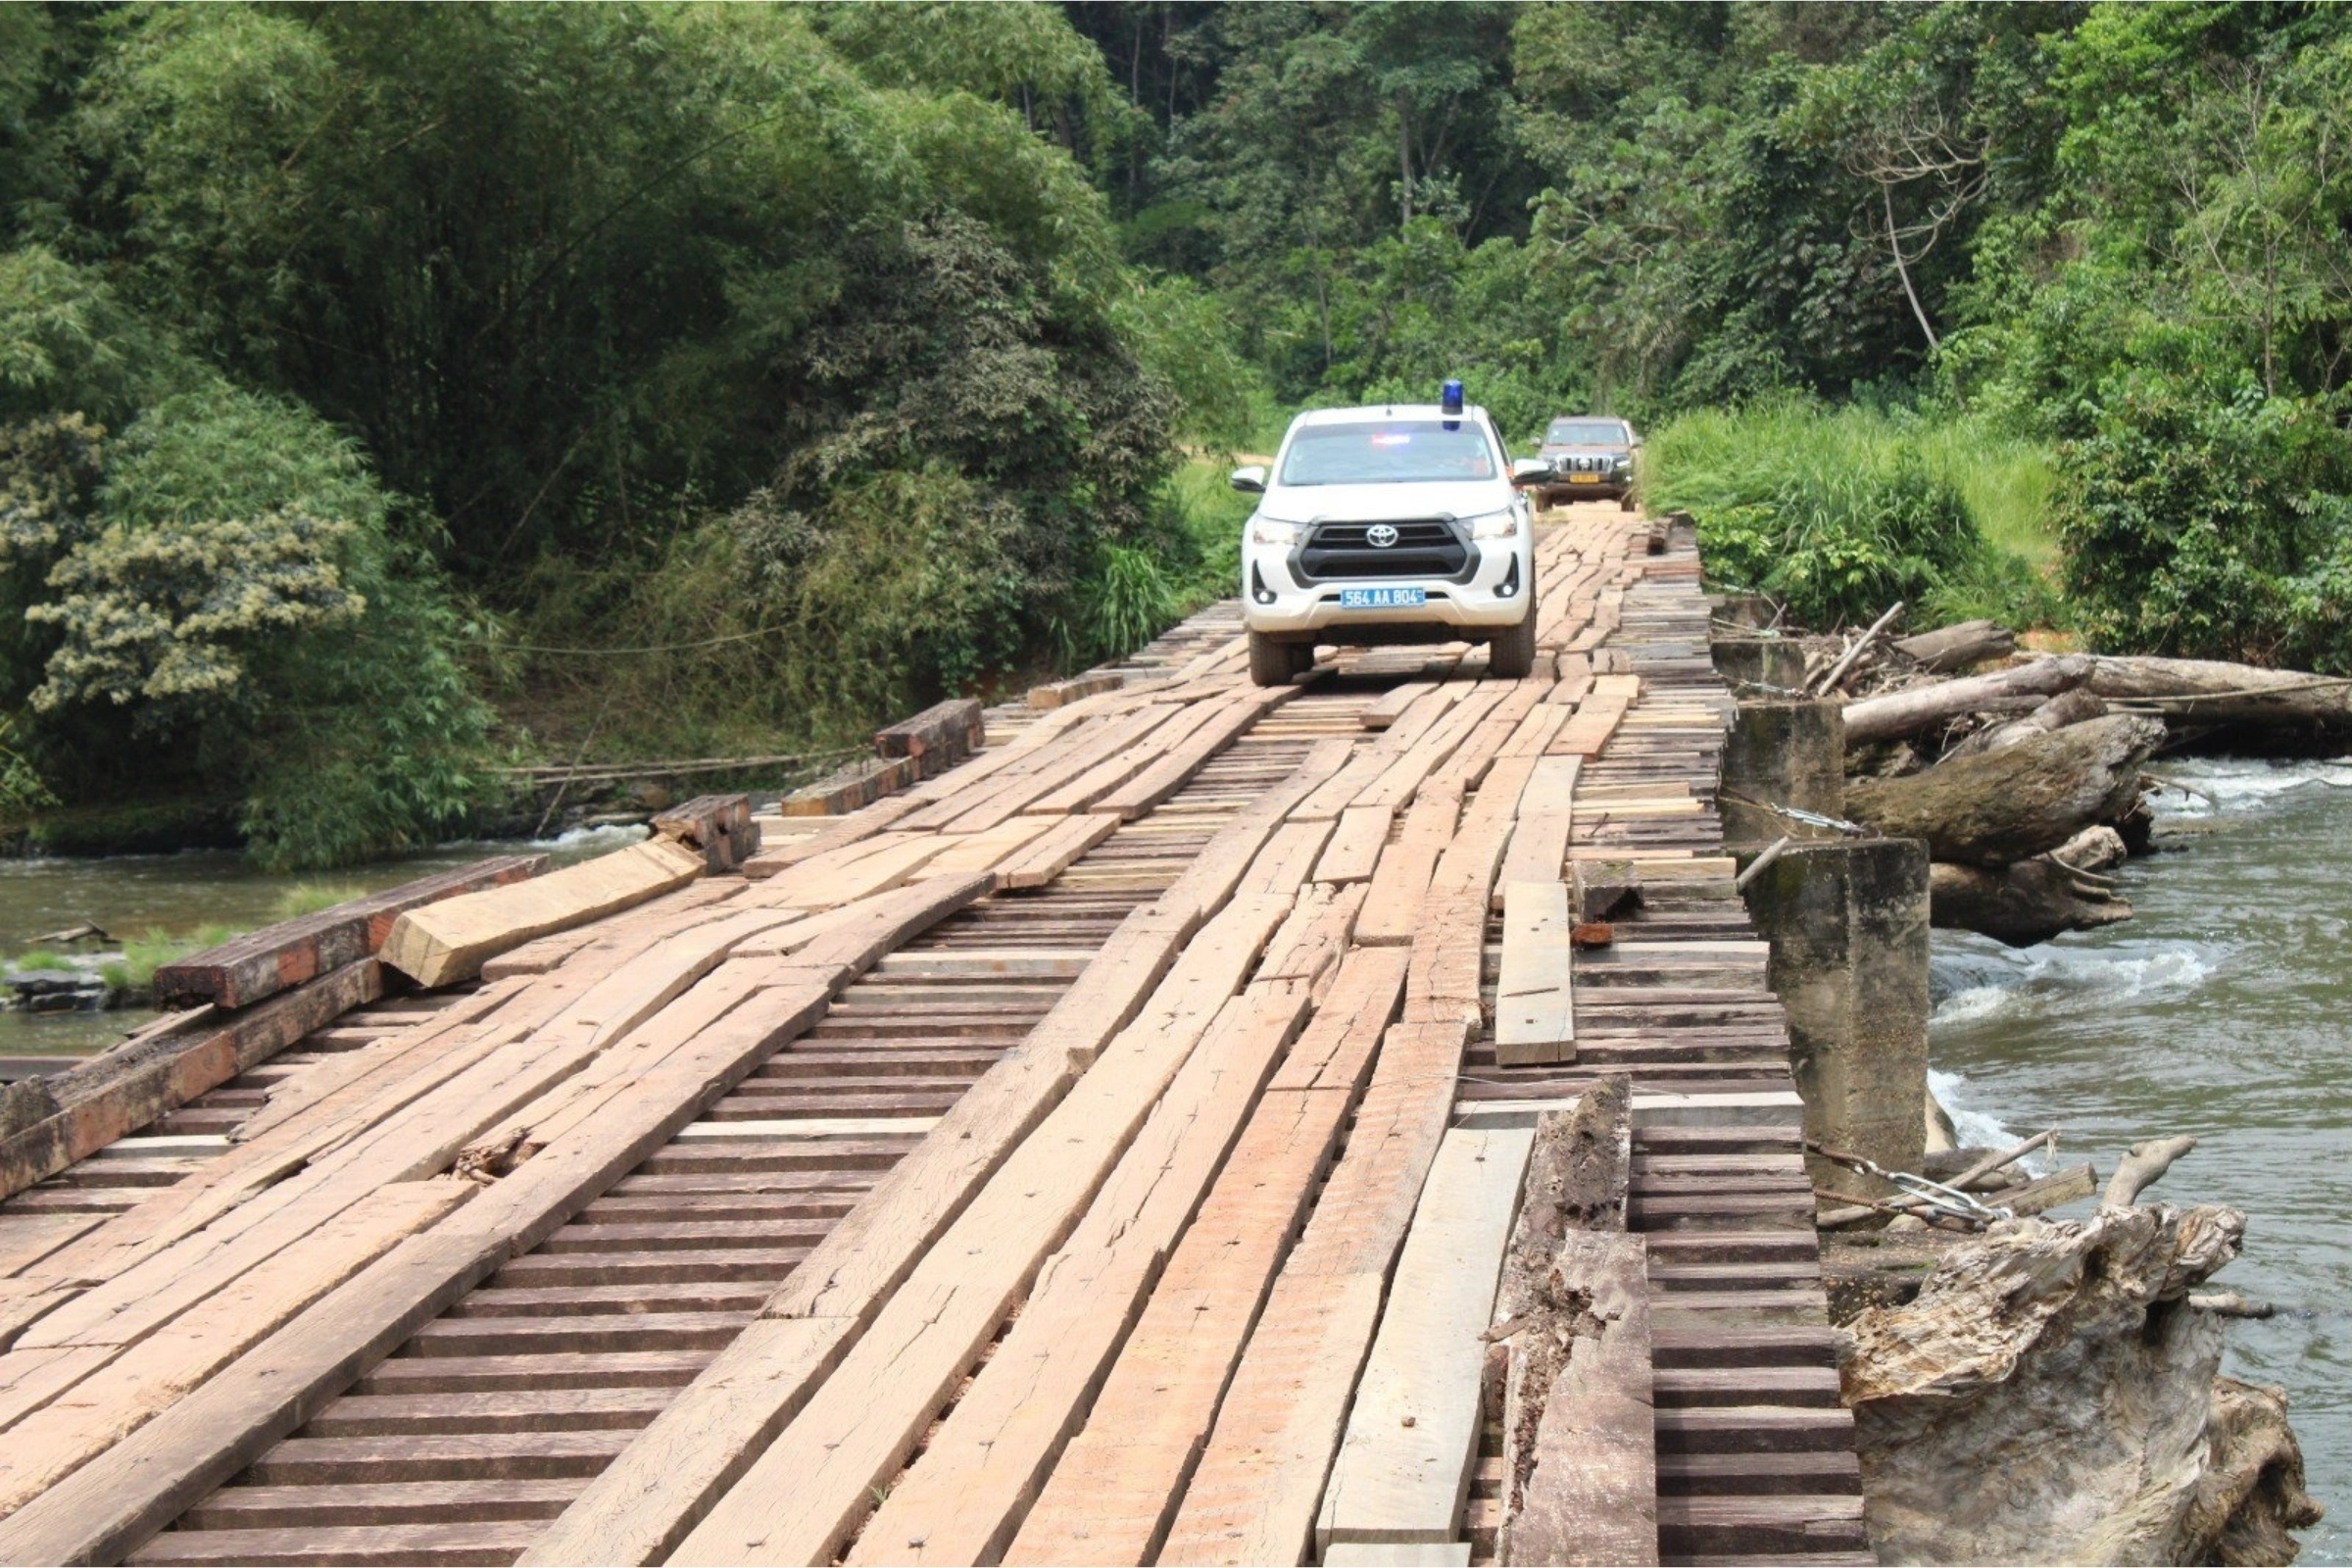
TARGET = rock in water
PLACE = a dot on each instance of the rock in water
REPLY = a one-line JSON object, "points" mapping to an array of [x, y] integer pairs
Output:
{"points": [[2050, 1395]]}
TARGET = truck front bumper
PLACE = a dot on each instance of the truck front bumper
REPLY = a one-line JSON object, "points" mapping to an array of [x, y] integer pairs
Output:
{"points": [[1495, 596]]}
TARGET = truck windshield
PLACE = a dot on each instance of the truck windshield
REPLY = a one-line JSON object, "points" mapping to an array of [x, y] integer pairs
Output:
{"points": [[1388, 452], [1584, 433]]}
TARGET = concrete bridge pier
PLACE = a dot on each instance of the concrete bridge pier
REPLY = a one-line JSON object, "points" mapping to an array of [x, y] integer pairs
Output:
{"points": [[1848, 927]]}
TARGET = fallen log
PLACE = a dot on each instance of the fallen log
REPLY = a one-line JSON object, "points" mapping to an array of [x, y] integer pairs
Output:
{"points": [[262, 964], [2017, 689], [1952, 648], [2015, 804], [2067, 707], [2142, 1168], [2021, 905], [2207, 691]]}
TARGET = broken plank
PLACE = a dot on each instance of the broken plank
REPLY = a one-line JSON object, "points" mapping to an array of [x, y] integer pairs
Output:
{"points": [[1355, 845]]}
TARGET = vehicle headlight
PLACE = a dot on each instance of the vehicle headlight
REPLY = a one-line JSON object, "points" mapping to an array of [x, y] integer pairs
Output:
{"points": [[1502, 524], [1266, 531]]}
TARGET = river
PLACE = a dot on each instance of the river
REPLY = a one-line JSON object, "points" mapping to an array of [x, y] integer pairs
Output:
{"points": [[2223, 1009], [131, 895]]}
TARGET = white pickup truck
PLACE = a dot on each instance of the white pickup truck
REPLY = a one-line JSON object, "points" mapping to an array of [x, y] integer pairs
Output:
{"points": [[1402, 524]]}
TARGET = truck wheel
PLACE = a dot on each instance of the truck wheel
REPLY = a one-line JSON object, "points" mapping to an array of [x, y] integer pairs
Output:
{"points": [[1270, 661], [1303, 657], [1511, 652]]}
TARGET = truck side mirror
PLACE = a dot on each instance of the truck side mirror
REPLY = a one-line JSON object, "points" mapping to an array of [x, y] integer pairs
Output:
{"points": [[1532, 470], [1249, 480]]}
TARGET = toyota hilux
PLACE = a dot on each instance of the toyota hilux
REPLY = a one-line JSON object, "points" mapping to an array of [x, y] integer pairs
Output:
{"points": [[1398, 524]]}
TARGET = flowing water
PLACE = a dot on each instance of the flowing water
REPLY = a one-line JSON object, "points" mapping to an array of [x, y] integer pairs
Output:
{"points": [[2224, 1010], [132, 895]]}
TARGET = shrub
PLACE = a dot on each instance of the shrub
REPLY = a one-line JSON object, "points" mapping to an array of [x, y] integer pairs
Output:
{"points": [[2208, 521]]}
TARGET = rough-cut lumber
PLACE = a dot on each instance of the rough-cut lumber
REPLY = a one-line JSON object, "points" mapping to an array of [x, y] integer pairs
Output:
{"points": [[263, 962], [848, 787], [799, 1500], [1401, 880], [1921, 707], [1403, 1470], [2016, 803], [1188, 757], [718, 827], [644, 1503], [2201, 690], [1058, 693], [1254, 1496], [1354, 852], [1059, 848], [117, 1500], [962, 1499], [134, 1386], [1957, 647], [449, 940], [70, 1115], [1539, 847], [937, 737], [1110, 1497], [1535, 1013]]}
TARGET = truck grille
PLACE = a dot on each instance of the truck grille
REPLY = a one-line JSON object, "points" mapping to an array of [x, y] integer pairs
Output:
{"points": [[1429, 548]]}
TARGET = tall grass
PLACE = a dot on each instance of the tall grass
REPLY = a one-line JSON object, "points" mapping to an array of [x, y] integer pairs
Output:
{"points": [[1841, 512]]}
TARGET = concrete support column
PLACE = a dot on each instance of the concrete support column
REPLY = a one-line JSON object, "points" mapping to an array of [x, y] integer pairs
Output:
{"points": [[1787, 754], [1848, 927], [1758, 661]]}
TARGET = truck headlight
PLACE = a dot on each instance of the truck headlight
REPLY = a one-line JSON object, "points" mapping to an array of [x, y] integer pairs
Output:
{"points": [[1266, 531], [1502, 524]]}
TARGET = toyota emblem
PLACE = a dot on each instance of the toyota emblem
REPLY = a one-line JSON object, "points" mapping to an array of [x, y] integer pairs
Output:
{"points": [[1381, 535]]}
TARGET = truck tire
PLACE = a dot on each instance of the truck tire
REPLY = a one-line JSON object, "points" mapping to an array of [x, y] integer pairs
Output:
{"points": [[1512, 651], [1271, 663]]}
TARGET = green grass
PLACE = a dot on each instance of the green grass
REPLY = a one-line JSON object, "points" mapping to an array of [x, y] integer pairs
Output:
{"points": [[1843, 509], [40, 958], [142, 955], [308, 898]]}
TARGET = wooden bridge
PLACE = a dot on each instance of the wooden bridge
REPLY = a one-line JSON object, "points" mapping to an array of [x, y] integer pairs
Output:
{"points": [[1105, 1151]]}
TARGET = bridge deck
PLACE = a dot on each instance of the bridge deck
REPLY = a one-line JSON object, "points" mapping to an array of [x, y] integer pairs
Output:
{"points": [[1042, 1206]]}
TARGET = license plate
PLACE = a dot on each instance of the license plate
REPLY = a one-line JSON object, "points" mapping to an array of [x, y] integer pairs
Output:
{"points": [[1383, 597], [1584, 478]]}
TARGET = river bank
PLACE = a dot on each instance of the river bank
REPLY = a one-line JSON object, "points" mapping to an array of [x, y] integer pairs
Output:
{"points": [[130, 895], [2223, 1009]]}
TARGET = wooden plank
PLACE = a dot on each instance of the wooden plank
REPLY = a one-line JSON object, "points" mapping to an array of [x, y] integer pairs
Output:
{"points": [[1355, 850], [1059, 848], [264, 962], [640, 1508], [1055, 694], [848, 787], [135, 1083], [1535, 1012], [134, 1387], [449, 940], [1125, 762], [1385, 709], [1403, 1470], [123, 1496], [961, 1501], [941, 735], [1401, 880], [1173, 771], [801, 1498], [717, 827], [1538, 848]]}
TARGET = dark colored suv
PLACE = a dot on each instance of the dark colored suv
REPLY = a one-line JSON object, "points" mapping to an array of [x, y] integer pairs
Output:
{"points": [[1593, 460]]}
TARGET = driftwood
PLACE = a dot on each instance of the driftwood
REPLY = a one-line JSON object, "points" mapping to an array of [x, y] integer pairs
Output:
{"points": [[2021, 905], [2141, 1169], [2017, 689], [2204, 691], [2015, 804], [1952, 648], [1861, 645], [2067, 707]]}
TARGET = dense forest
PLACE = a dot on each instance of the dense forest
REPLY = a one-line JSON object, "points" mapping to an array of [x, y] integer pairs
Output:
{"points": [[392, 393]]}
